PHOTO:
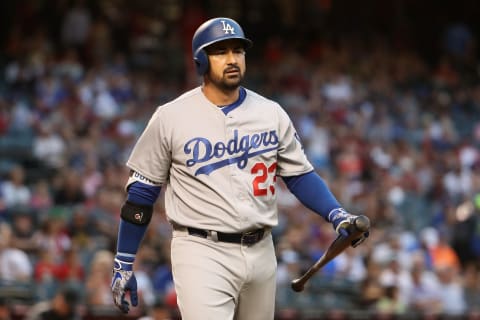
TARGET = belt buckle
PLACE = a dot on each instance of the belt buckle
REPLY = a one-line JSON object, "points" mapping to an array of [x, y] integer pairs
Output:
{"points": [[249, 238]]}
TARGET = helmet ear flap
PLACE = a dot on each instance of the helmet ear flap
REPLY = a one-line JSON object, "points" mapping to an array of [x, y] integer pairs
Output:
{"points": [[201, 62]]}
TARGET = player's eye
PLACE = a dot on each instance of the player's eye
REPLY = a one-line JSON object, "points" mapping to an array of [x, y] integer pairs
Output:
{"points": [[217, 51], [239, 50], [223, 51]]}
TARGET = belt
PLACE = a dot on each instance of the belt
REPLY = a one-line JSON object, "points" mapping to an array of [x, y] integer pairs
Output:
{"points": [[248, 238]]}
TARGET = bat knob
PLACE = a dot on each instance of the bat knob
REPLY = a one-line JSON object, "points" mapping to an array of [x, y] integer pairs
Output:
{"points": [[362, 223], [297, 286]]}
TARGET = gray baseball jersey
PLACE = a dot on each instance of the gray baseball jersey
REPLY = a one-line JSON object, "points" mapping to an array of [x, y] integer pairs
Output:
{"points": [[219, 168]]}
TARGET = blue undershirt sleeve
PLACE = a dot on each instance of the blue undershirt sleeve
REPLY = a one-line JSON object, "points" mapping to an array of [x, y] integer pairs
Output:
{"points": [[312, 191], [130, 235]]}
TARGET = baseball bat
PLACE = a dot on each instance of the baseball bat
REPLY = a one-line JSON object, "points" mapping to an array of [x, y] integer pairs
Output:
{"points": [[360, 225]]}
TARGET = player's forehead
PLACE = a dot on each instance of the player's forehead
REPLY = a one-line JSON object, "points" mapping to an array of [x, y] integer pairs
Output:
{"points": [[226, 44]]}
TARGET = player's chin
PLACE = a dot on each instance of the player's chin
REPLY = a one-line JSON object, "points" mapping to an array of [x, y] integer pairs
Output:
{"points": [[232, 83]]}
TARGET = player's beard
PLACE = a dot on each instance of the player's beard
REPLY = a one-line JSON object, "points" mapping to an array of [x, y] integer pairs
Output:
{"points": [[225, 82]]}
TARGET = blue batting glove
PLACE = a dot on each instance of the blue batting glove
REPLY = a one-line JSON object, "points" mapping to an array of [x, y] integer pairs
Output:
{"points": [[341, 220], [123, 281]]}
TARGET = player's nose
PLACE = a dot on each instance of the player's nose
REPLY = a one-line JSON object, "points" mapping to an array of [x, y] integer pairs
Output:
{"points": [[231, 57]]}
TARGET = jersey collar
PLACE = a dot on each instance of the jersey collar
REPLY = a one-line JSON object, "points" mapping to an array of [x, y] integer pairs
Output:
{"points": [[241, 97]]}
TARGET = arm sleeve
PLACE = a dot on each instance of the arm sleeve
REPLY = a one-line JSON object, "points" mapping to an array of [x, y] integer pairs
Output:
{"points": [[130, 235], [312, 191]]}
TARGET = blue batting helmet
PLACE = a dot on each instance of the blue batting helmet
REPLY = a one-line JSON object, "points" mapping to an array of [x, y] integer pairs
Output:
{"points": [[212, 31]]}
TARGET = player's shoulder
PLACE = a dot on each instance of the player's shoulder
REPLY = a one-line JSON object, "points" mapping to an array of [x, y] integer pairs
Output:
{"points": [[182, 101], [258, 98], [259, 101], [176, 107]]}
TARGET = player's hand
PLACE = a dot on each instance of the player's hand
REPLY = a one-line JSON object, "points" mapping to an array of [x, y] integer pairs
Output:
{"points": [[342, 220], [123, 281]]}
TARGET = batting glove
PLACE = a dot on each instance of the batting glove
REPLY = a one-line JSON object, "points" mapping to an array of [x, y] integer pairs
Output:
{"points": [[341, 221], [124, 281]]}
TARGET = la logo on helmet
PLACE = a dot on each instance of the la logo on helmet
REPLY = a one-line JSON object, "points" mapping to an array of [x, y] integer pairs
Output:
{"points": [[227, 27]]}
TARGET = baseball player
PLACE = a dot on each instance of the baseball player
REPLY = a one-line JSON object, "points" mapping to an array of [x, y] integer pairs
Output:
{"points": [[218, 150]]}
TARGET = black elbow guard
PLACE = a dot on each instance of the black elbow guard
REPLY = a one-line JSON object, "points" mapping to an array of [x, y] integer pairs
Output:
{"points": [[135, 213]]}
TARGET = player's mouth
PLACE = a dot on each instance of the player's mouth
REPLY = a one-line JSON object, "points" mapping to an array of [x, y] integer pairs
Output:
{"points": [[232, 71]]}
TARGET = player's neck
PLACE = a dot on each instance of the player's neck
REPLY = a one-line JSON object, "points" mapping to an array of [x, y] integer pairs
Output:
{"points": [[220, 97]]}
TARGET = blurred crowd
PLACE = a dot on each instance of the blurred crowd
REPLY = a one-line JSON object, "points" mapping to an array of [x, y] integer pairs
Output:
{"points": [[395, 135]]}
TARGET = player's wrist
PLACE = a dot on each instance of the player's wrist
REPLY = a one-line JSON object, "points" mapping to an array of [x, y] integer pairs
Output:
{"points": [[123, 263], [338, 214], [340, 218]]}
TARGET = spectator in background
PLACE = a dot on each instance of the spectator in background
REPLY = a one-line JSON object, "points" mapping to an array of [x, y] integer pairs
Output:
{"points": [[49, 147], [41, 200], [471, 287], [82, 230], [98, 280], [4, 116], [146, 294], [104, 105], [350, 265], [15, 191], [53, 236], [76, 25], [45, 275], [50, 93], [21, 118], [288, 266], [390, 304], [92, 177], [451, 291], [4, 217], [319, 144], [70, 269], [459, 43], [25, 232], [349, 161], [15, 266], [371, 288], [393, 274], [156, 253], [104, 212], [439, 252], [68, 189], [423, 291], [70, 66], [158, 311], [394, 245], [63, 306], [5, 309]]}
